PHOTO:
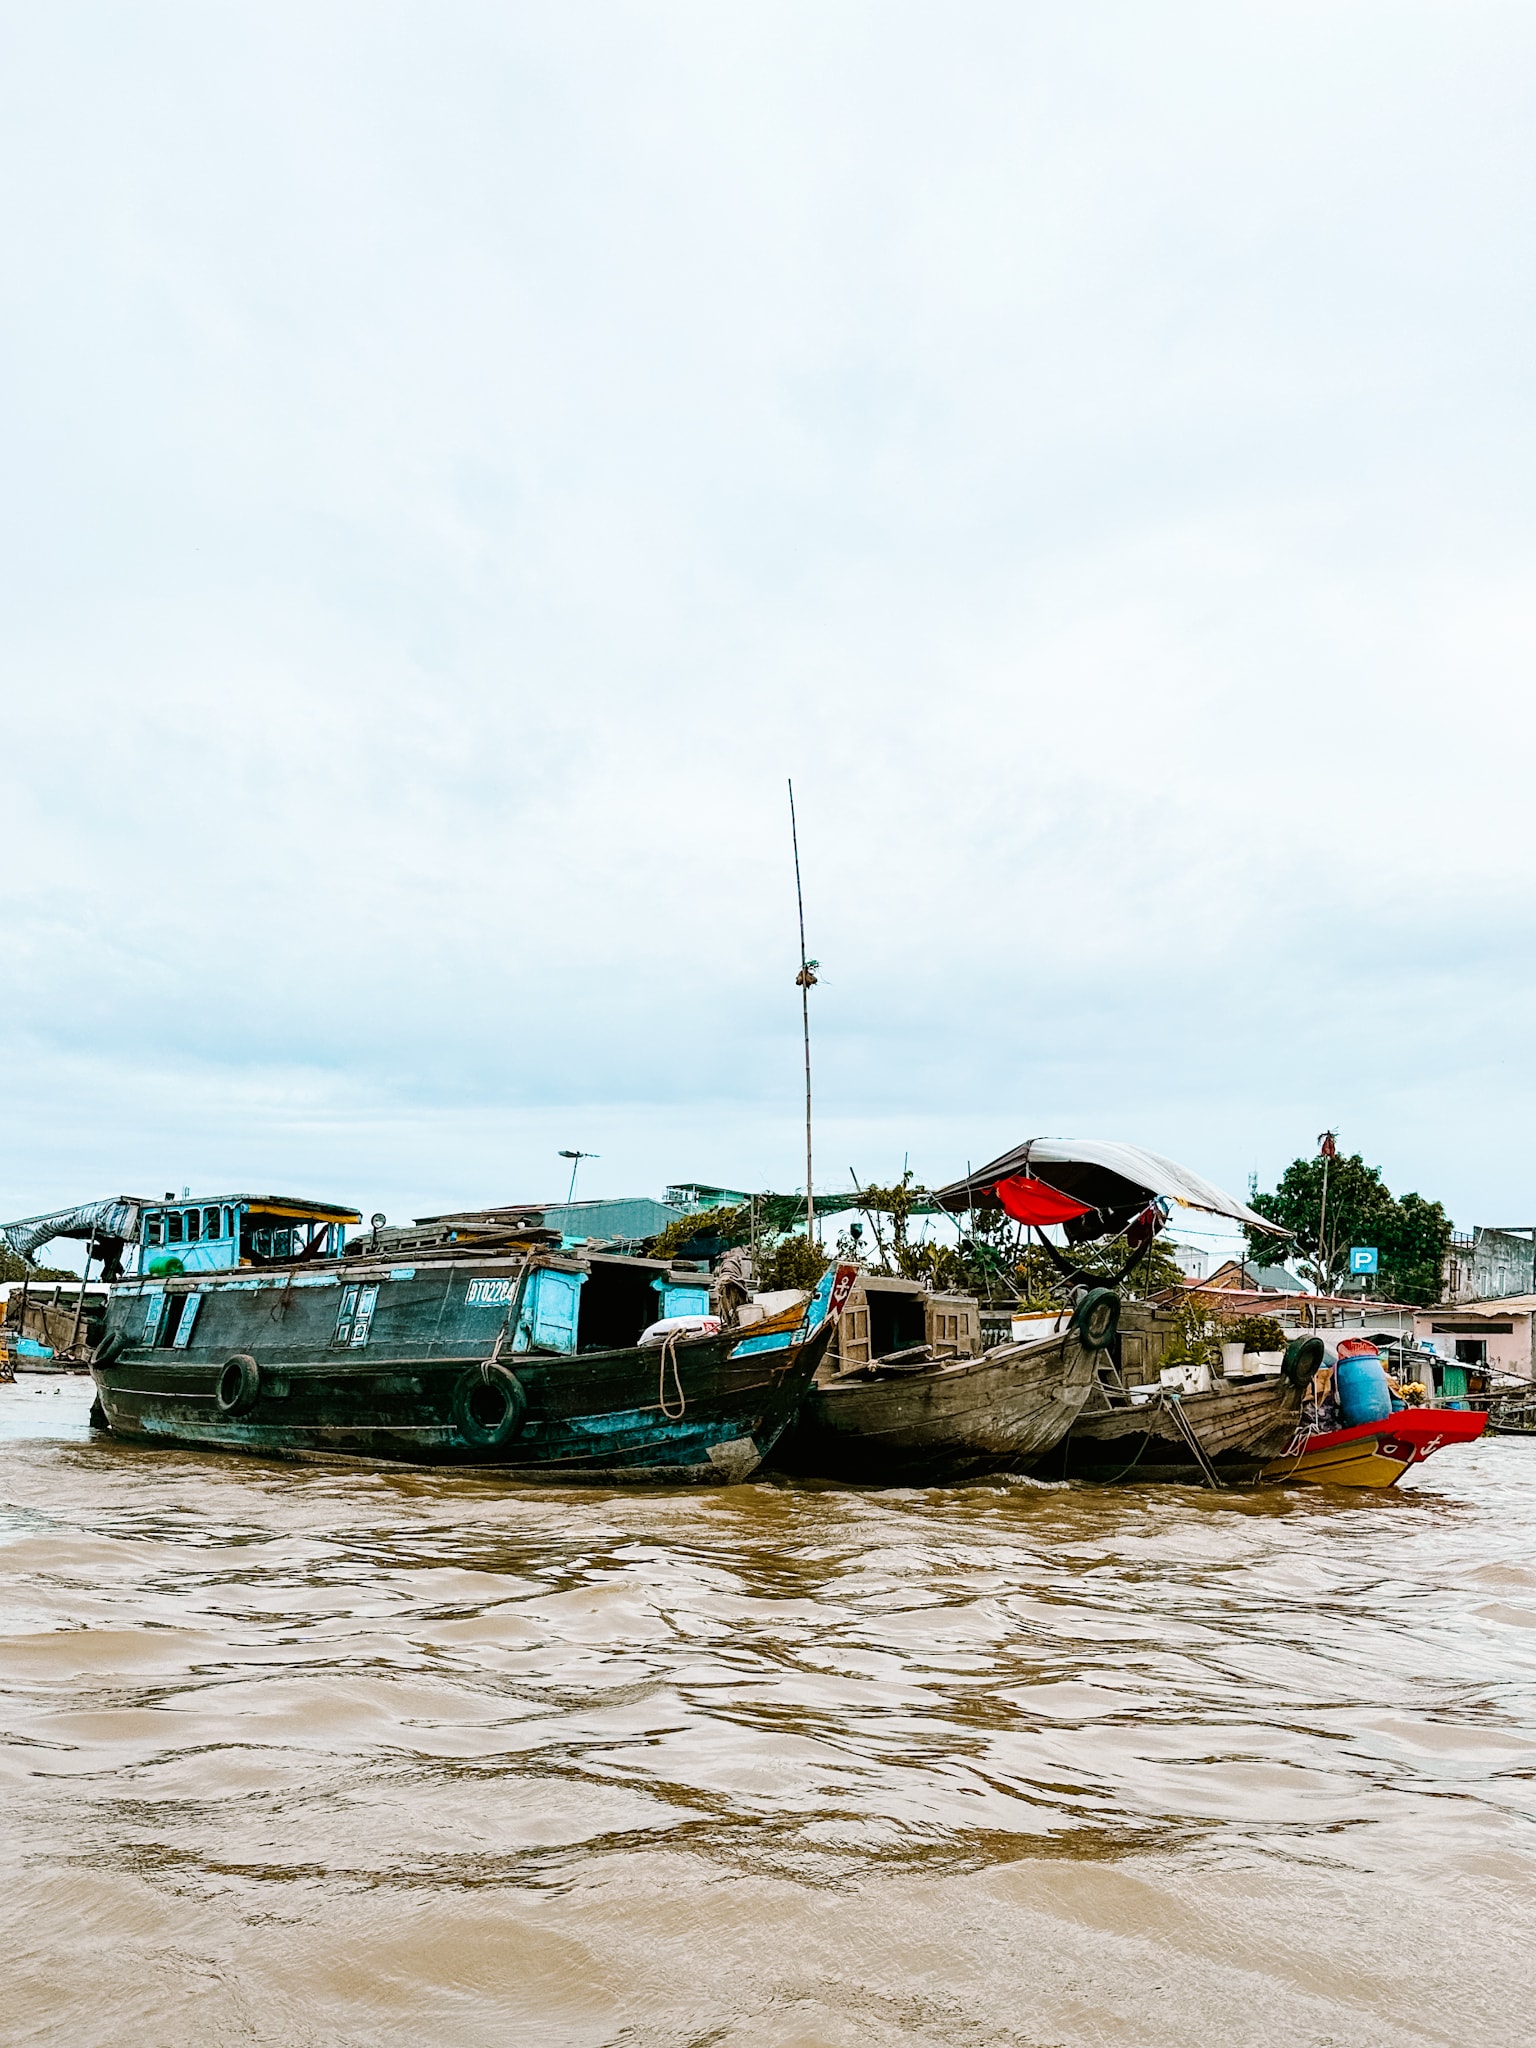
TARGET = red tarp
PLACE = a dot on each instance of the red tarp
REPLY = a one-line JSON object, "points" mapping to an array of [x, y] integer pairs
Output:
{"points": [[1029, 1200]]}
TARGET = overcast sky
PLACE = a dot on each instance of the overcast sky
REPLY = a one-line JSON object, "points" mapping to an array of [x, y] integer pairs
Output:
{"points": [[460, 459]]}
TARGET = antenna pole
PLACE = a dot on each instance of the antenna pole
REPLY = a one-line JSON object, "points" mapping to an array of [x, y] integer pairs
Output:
{"points": [[806, 981], [575, 1158]]}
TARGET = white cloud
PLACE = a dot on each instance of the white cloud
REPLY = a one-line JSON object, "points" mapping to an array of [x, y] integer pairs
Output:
{"points": [[459, 463]]}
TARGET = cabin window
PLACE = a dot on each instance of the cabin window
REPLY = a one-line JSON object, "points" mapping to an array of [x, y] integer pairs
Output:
{"points": [[354, 1317], [191, 1303], [173, 1227], [154, 1315], [194, 1225], [153, 1229], [229, 1222], [211, 1223]]}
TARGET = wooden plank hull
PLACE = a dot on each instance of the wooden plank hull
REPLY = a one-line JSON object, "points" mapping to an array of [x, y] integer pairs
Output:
{"points": [[613, 1416], [1238, 1429], [996, 1413]]}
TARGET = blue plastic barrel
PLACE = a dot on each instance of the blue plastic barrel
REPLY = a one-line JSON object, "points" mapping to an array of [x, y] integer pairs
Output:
{"points": [[1361, 1390]]}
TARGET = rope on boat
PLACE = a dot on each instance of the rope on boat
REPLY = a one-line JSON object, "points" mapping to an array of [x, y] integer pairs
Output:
{"points": [[1306, 1434], [513, 1305], [669, 1357], [1146, 1438]]}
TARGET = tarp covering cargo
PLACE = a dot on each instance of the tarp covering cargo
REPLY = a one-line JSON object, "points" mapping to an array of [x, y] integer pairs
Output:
{"points": [[113, 1223]]}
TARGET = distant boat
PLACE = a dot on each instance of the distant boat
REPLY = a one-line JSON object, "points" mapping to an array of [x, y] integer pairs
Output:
{"points": [[523, 1359]]}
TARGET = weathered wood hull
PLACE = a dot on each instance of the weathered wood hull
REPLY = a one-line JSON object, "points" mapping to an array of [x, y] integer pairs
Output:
{"points": [[1000, 1412], [1237, 1428], [613, 1416]]}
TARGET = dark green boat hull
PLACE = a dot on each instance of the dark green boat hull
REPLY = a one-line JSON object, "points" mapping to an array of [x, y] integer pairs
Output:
{"points": [[606, 1416]]}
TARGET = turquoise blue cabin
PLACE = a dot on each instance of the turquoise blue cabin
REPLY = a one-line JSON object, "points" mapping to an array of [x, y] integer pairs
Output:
{"points": [[209, 1233], [630, 1295]]}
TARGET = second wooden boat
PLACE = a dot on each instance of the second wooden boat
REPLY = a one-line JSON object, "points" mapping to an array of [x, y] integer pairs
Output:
{"points": [[925, 1421], [1215, 1438]]}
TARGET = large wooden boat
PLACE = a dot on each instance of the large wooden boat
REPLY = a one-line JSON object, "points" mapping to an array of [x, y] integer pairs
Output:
{"points": [[529, 1362], [928, 1420]]}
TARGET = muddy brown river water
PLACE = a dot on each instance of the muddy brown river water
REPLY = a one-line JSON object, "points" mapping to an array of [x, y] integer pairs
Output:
{"points": [[340, 1755]]}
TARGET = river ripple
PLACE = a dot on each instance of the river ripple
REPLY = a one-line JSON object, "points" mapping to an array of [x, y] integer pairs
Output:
{"points": [[322, 1755]]}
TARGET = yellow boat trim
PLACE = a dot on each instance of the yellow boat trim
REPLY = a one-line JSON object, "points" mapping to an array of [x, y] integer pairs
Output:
{"points": [[1356, 1464]]}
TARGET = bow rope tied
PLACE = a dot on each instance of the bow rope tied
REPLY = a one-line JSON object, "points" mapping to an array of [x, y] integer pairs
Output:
{"points": [[506, 1321], [669, 1357]]}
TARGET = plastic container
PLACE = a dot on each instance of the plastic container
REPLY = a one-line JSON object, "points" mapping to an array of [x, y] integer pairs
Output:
{"points": [[1232, 1359], [680, 1326], [1035, 1329], [1187, 1379], [1360, 1385]]}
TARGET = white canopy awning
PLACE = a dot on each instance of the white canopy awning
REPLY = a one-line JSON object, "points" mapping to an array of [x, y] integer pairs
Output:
{"points": [[1106, 1174]]}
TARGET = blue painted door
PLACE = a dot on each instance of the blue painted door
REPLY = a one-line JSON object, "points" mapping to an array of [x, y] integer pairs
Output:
{"points": [[551, 1305]]}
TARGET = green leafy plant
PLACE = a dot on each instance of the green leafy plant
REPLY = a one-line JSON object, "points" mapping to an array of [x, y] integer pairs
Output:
{"points": [[1196, 1338], [13, 1267], [731, 1226], [1259, 1333], [792, 1262]]}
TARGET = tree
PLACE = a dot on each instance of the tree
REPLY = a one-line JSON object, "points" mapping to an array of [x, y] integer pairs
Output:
{"points": [[1411, 1235], [13, 1268], [980, 1264]]}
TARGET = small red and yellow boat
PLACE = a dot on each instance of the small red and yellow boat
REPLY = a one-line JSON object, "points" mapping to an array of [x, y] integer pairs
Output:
{"points": [[1374, 1453]]}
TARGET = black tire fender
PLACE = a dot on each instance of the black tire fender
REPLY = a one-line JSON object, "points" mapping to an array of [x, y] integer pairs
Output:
{"points": [[1096, 1319], [1303, 1355], [489, 1405], [239, 1385], [113, 1345]]}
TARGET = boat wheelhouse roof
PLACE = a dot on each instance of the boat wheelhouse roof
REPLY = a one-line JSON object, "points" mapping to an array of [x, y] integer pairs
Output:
{"points": [[293, 1208]]}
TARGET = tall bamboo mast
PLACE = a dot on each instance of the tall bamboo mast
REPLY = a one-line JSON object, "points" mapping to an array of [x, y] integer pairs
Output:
{"points": [[805, 981]]}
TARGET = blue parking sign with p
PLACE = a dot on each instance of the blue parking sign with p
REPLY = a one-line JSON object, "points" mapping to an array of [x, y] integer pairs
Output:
{"points": [[1363, 1259]]}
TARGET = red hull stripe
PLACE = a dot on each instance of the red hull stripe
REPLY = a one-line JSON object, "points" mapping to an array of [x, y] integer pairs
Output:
{"points": [[1420, 1430]]}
